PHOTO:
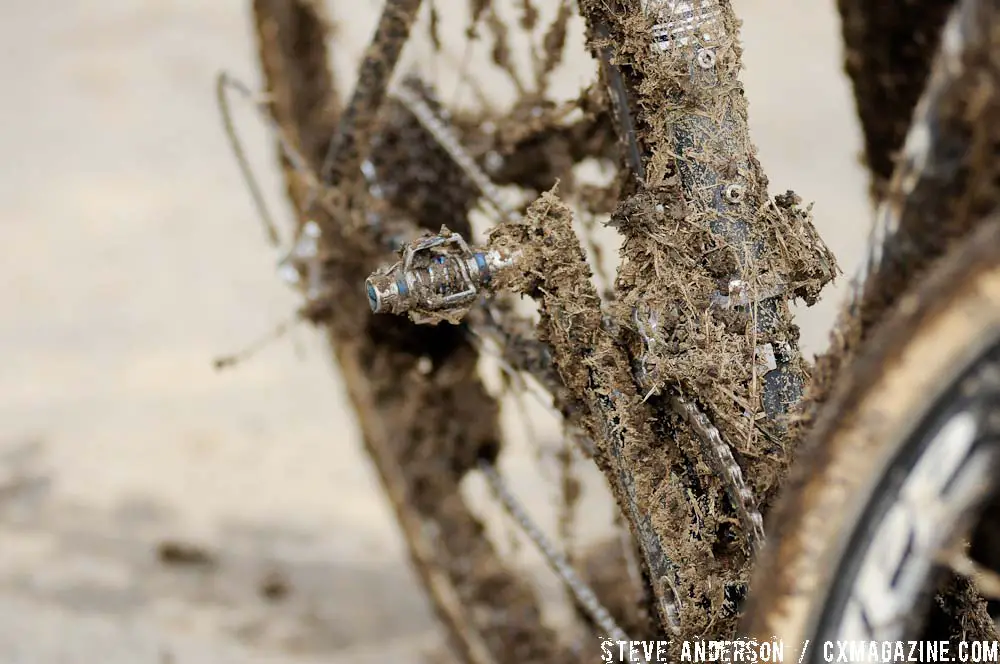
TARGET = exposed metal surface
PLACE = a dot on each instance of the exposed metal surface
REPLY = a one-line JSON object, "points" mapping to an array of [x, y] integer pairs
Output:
{"points": [[437, 273]]}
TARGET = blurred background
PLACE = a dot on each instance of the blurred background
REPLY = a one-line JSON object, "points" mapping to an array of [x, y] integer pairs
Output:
{"points": [[153, 509]]}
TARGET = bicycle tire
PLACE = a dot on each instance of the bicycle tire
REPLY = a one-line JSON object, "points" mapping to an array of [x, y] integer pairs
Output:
{"points": [[855, 537]]}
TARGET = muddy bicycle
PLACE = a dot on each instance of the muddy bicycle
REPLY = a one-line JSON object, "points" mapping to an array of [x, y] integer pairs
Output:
{"points": [[681, 378]]}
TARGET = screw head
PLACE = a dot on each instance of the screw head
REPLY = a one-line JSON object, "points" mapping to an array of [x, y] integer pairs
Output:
{"points": [[705, 58], [733, 193]]}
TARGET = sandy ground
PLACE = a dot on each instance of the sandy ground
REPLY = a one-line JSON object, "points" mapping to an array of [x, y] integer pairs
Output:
{"points": [[131, 258]]}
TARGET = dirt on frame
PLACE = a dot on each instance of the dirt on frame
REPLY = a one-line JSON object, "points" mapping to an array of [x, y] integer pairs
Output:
{"points": [[703, 231]]}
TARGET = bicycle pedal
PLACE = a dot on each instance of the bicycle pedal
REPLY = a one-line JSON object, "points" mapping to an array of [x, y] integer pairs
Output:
{"points": [[437, 273]]}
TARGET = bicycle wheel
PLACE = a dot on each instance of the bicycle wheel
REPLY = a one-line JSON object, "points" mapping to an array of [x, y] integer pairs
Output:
{"points": [[898, 470]]}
